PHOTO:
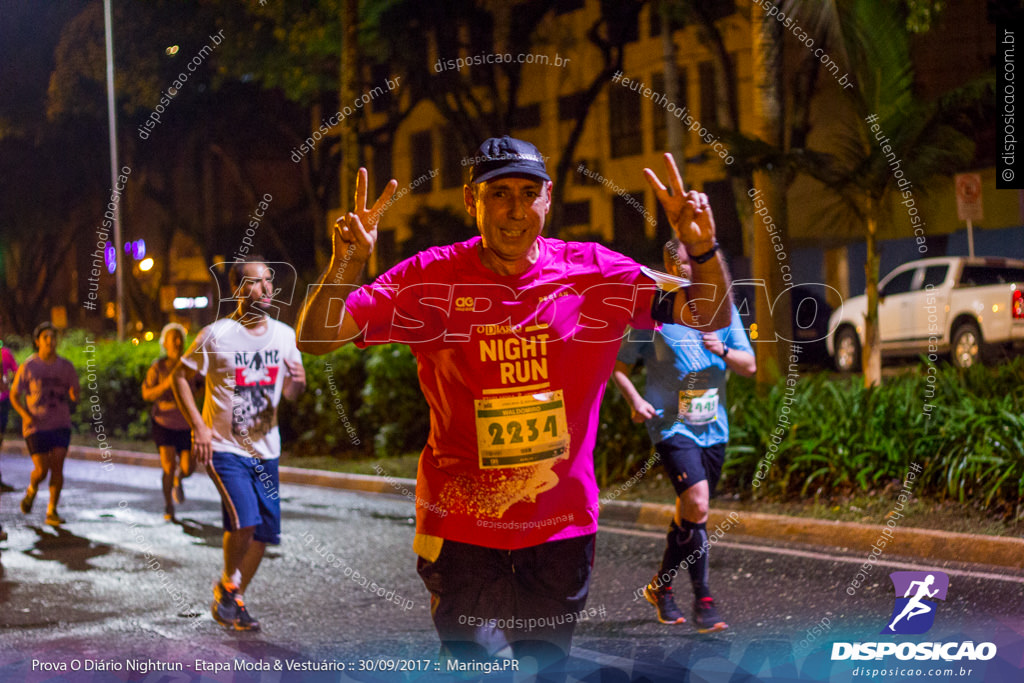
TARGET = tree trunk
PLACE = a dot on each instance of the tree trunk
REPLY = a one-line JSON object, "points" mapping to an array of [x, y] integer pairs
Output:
{"points": [[871, 355], [837, 275], [348, 92], [673, 126], [771, 355]]}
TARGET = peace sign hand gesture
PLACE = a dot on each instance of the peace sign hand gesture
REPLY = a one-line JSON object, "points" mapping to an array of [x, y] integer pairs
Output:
{"points": [[688, 213], [355, 233]]}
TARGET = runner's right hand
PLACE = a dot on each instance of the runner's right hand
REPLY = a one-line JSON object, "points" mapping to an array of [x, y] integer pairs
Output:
{"points": [[355, 233], [642, 411], [202, 444]]}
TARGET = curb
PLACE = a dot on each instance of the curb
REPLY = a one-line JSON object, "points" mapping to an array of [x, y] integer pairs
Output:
{"points": [[925, 544]]}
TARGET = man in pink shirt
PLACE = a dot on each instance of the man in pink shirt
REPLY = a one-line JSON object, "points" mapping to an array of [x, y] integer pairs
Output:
{"points": [[515, 336]]}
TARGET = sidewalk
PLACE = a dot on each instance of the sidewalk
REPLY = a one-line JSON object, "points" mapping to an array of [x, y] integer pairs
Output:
{"points": [[856, 538]]}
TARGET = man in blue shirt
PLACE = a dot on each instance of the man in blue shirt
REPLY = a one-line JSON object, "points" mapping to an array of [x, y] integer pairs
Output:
{"points": [[684, 408]]}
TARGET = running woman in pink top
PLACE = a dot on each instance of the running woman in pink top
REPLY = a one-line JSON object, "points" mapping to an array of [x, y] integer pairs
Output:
{"points": [[515, 336], [8, 366], [171, 431], [44, 389]]}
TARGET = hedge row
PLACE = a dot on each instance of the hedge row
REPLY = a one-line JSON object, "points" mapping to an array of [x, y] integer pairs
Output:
{"points": [[826, 434], [965, 429], [357, 403]]}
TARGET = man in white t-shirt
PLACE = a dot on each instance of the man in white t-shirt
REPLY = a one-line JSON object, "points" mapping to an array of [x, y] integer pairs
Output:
{"points": [[249, 361]]}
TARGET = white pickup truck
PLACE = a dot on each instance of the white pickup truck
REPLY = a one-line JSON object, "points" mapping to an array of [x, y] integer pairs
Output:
{"points": [[956, 305]]}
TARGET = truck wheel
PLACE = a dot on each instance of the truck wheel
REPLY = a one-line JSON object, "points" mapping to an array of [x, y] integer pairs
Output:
{"points": [[847, 350], [965, 349]]}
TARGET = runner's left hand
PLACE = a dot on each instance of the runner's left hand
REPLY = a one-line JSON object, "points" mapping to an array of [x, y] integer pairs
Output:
{"points": [[689, 213], [296, 371], [713, 344]]}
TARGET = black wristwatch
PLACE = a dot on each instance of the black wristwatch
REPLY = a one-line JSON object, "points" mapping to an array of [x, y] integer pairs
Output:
{"points": [[706, 256], [725, 352]]}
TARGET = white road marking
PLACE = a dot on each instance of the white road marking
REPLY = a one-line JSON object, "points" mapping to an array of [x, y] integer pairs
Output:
{"points": [[829, 558]]}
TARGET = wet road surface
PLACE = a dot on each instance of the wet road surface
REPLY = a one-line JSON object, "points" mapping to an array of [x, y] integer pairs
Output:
{"points": [[117, 586]]}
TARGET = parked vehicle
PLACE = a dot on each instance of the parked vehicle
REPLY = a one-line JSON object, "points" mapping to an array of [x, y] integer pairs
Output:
{"points": [[968, 308]]}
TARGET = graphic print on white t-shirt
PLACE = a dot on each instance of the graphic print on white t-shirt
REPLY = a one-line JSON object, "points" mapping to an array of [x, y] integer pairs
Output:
{"points": [[255, 379]]}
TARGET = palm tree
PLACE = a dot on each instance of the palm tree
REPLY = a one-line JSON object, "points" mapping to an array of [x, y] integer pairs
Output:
{"points": [[890, 136]]}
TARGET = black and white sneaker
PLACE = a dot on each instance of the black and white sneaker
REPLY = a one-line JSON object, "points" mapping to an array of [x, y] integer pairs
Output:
{"points": [[705, 616], [246, 622], [225, 604], [661, 597]]}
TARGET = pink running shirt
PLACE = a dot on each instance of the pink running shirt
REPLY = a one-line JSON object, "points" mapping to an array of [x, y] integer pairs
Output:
{"points": [[46, 386], [513, 369]]}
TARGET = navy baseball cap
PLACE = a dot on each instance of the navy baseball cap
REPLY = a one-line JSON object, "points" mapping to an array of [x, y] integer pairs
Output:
{"points": [[507, 156]]}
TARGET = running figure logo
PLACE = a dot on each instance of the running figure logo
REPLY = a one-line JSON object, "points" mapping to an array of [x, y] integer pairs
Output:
{"points": [[914, 613]]}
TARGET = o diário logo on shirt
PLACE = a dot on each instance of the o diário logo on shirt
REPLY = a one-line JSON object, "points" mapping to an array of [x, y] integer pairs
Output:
{"points": [[515, 431]]}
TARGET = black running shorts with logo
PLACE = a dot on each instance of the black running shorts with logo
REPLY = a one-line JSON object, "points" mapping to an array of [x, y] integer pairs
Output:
{"points": [[688, 463]]}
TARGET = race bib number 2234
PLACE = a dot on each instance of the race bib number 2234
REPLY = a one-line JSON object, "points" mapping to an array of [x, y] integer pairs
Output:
{"points": [[515, 431]]}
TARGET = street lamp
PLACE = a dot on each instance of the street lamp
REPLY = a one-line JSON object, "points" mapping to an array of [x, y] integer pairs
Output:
{"points": [[112, 124]]}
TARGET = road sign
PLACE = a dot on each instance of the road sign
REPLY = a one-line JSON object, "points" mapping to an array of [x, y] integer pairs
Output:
{"points": [[968, 196]]}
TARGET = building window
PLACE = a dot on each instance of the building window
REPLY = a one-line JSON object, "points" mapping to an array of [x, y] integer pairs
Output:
{"points": [[592, 168], [571, 107], [421, 148], [623, 24], [382, 173], [381, 75], [527, 116], [628, 220], [576, 213], [451, 160], [708, 94], [675, 23], [481, 41], [728, 229], [659, 112], [566, 6], [719, 9], [386, 250], [624, 122]]}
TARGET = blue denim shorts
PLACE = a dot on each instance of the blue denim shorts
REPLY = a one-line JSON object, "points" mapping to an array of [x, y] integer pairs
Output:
{"points": [[249, 493]]}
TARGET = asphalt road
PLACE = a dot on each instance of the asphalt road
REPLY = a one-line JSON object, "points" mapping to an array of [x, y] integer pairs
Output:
{"points": [[118, 588]]}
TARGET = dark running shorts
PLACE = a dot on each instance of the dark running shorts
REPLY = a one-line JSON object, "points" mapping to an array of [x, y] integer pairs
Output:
{"points": [[181, 439], [484, 599], [249, 494], [44, 442], [687, 463]]}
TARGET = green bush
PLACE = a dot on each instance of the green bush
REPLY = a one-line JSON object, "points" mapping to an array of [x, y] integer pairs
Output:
{"points": [[325, 420], [842, 437], [392, 403]]}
